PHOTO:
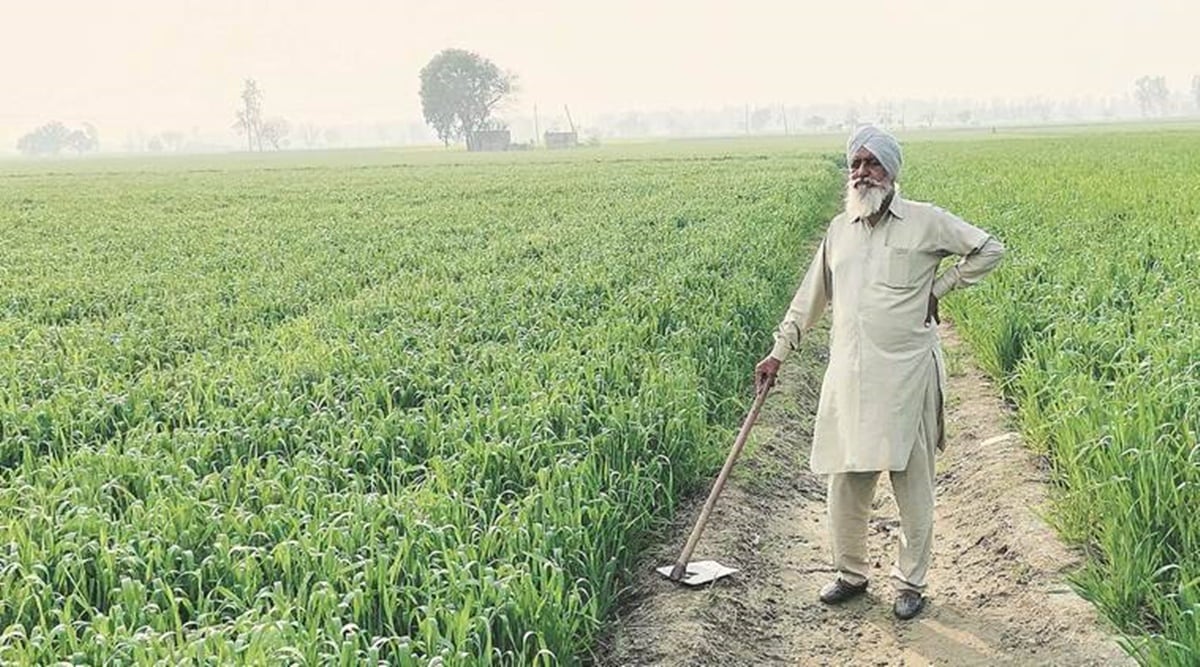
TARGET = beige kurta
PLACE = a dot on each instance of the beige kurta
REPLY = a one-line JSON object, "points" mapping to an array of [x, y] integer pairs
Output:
{"points": [[882, 355]]}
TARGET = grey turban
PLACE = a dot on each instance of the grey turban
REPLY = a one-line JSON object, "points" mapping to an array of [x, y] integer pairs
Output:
{"points": [[882, 145]]}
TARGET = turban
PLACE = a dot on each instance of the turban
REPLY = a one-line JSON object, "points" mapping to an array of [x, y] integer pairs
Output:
{"points": [[882, 145]]}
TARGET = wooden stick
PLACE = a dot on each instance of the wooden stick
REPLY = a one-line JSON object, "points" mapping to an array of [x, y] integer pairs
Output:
{"points": [[680, 568]]}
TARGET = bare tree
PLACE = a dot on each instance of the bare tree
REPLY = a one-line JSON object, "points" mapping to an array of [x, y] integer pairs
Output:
{"points": [[249, 117], [274, 131]]}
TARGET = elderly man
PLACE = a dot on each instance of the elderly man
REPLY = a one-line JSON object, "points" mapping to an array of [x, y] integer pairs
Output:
{"points": [[881, 400]]}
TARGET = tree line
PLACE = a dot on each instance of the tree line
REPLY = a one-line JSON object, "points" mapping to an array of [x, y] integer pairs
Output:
{"points": [[54, 138], [460, 92]]}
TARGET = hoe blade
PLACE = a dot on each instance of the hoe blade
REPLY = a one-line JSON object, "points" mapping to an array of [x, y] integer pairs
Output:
{"points": [[699, 572]]}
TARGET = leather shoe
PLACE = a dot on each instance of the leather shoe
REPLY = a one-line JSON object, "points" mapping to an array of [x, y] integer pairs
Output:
{"points": [[908, 604], [838, 591]]}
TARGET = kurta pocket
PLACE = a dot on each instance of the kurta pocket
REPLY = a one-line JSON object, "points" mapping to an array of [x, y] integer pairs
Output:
{"points": [[901, 267]]}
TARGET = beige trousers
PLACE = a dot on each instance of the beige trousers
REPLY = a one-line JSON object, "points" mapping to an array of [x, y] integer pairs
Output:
{"points": [[850, 495]]}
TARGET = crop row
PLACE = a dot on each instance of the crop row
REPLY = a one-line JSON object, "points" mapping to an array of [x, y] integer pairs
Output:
{"points": [[1092, 327], [387, 414]]}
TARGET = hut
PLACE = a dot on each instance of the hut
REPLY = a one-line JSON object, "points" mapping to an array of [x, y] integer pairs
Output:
{"points": [[489, 140], [561, 139]]}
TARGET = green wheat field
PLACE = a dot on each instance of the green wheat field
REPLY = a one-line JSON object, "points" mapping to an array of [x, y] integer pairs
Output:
{"points": [[420, 407]]}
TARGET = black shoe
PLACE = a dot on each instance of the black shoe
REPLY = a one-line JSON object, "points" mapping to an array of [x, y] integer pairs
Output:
{"points": [[838, 591], [908, 604]]}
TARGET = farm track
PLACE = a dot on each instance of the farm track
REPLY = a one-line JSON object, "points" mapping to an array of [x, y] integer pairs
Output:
{"points": [[998, 592]]}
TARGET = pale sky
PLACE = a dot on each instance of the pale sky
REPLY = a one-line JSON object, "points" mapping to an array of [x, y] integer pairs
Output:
{"points": [[180, 64]]}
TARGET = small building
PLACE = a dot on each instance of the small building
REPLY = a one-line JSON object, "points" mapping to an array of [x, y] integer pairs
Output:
{"points": [[561, 139], [489, 140]]}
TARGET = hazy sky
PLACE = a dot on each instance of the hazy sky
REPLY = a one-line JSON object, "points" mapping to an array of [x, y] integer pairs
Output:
{"points": [[179, 64]]}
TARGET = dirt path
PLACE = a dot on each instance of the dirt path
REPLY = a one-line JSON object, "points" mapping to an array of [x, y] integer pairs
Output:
{"points": [[997, 590]]}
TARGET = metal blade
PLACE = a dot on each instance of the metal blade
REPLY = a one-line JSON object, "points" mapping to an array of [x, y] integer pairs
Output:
{"points": [[699, 572]]}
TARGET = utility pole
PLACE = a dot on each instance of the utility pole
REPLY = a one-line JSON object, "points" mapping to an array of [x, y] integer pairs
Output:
{"points": [[569, 121], [785, 124], [536, 135]]}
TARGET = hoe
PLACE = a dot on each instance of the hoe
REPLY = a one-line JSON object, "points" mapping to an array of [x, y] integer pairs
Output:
{"points": [[706, 571]]}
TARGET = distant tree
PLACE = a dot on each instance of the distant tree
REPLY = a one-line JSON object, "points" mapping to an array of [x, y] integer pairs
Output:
{"points": [[851, 119], [156, 144], [52, 138], [77, 141], [1071, 109], [459, 91], [631, 124], [815, 123], [383, 134], [1196, 90], [249, 117], [964, 116], [1152, 94], [83, 140], [172, 140], [886, 113], [92, 137], [309, 134], [1043, 109], [760, 118], [274, 131]]}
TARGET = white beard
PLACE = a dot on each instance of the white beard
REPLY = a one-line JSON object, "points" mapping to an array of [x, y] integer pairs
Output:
{"points": [[864, 202]]}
